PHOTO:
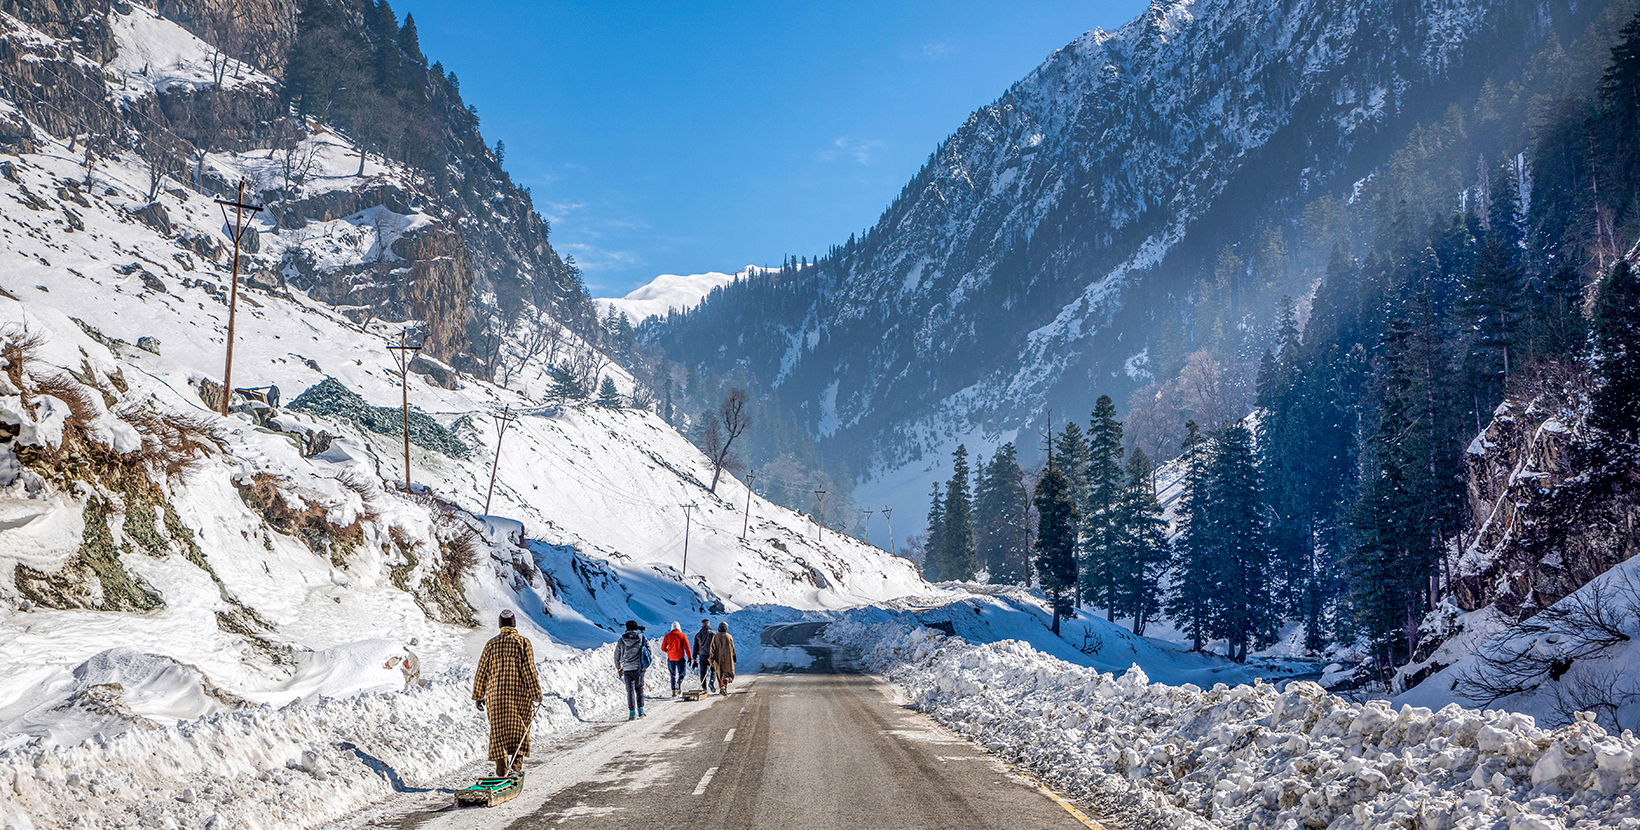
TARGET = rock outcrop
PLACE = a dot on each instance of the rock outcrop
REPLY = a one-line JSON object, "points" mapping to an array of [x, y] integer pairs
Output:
{"points": [[1551, 507]]}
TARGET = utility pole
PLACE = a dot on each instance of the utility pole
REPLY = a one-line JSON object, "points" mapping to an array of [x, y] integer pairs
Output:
{"points": [[819, 510], [746, 521], [239, 227], [403, 354], [867, 540], [686, 508], [503, 421], [888, 516]]}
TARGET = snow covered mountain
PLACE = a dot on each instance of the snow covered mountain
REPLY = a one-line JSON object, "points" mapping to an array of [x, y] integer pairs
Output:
{"points": [[672, 292], [1032, 262], [165, 571]]}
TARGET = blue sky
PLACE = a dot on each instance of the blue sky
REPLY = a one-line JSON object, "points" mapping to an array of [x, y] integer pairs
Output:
{"points": [[671, 137]]}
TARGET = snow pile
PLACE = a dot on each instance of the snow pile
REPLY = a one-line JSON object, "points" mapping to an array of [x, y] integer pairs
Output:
{"points": [[312, 761], [1258, 756]]}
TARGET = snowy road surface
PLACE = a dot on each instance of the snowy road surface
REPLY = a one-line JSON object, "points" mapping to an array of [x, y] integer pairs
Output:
{"points": [[792, 751]]}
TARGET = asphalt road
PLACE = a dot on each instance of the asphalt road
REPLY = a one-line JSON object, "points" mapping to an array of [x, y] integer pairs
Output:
{"points": [[809, 751]]}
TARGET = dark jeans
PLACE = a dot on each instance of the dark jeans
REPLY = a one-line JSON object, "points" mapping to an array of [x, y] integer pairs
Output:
{"points": [[634, 688], [706, 672], [677, 670]]}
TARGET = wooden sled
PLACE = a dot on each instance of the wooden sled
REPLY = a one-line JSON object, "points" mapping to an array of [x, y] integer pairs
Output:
{"points": [[694, 694], [489, 792]]}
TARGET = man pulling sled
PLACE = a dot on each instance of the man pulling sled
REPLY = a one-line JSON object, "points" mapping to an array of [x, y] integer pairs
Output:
{"points": [[506, 689]]}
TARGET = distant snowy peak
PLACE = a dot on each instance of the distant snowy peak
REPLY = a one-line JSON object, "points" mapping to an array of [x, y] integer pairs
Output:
{"points": [[673, 291]]}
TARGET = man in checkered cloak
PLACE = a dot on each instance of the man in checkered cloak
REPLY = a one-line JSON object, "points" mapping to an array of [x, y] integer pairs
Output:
{"points": [[507, 688]]}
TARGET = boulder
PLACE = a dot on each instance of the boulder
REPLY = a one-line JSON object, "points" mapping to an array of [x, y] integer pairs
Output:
{"points": [[154, 216]]}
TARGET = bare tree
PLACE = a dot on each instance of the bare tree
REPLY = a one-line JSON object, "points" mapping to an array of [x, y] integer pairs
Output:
{"points": [[535, 341], [296, 162], [161, 151], [1544, 648], [729, 422]]}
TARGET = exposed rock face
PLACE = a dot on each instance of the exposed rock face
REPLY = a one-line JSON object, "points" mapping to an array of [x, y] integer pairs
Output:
{"points": [[440, 284], [62, 95], [1549, 507], [432, 282]]}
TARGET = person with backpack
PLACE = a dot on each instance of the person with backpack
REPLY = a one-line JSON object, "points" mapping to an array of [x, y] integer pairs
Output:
{"points": [[632, 658], [723, 657], [676, 646]]}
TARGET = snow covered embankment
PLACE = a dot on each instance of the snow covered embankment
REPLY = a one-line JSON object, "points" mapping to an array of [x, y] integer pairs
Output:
{"points": [[298, 766], [1253, 756]]}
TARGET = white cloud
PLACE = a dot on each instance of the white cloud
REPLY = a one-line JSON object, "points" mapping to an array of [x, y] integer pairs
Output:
{"points": [[860, 151], [592, 258], [935, 51]]}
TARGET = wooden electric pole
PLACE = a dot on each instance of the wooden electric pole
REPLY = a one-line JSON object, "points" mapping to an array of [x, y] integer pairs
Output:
{"points": [[819, 510], [746, 521], [403, 354], [686, 508], [239, 227], [888, 516], [502, 421], [867, 540]]}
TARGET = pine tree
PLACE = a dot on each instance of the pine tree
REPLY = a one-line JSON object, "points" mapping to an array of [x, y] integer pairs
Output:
{"points": [[566, 386], [960, 561], [1070, 455], [608, 396], [1100, 508], [1142, 552], [1616, 402], [1056, 531], [1243, 609], [1493, 302], [1000, 515], [1559, 330], [1408, 504], [1190, 601], [933, 548]]}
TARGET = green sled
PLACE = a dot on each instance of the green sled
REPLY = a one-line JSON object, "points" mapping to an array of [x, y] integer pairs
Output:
{"points": [[489, 792]]}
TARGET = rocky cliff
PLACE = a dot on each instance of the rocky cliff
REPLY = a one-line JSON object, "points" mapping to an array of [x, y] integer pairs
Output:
{"points": [[1550, 507]]}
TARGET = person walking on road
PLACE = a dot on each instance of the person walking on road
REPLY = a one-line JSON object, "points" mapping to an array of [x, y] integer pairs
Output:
{"points": [[723, 657], [676, 646], [631, 659], [703, 653], [506, 689]]}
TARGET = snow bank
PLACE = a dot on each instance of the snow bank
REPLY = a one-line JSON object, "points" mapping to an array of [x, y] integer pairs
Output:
{"points": [[1255, 756], [312, 761]]}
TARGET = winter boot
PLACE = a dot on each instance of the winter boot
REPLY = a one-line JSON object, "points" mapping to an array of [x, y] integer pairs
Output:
{"points": [[631, 715], [640, 711]]}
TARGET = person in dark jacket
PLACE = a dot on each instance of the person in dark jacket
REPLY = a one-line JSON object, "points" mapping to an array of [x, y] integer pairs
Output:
{"points": [[629, 665], [703, 652]]}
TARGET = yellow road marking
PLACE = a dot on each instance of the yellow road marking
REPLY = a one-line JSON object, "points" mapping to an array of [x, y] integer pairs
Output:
{"points": [[1070, 808]]}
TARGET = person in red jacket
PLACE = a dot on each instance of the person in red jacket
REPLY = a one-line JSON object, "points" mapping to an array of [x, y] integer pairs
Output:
{"points": [[676, 646]]}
